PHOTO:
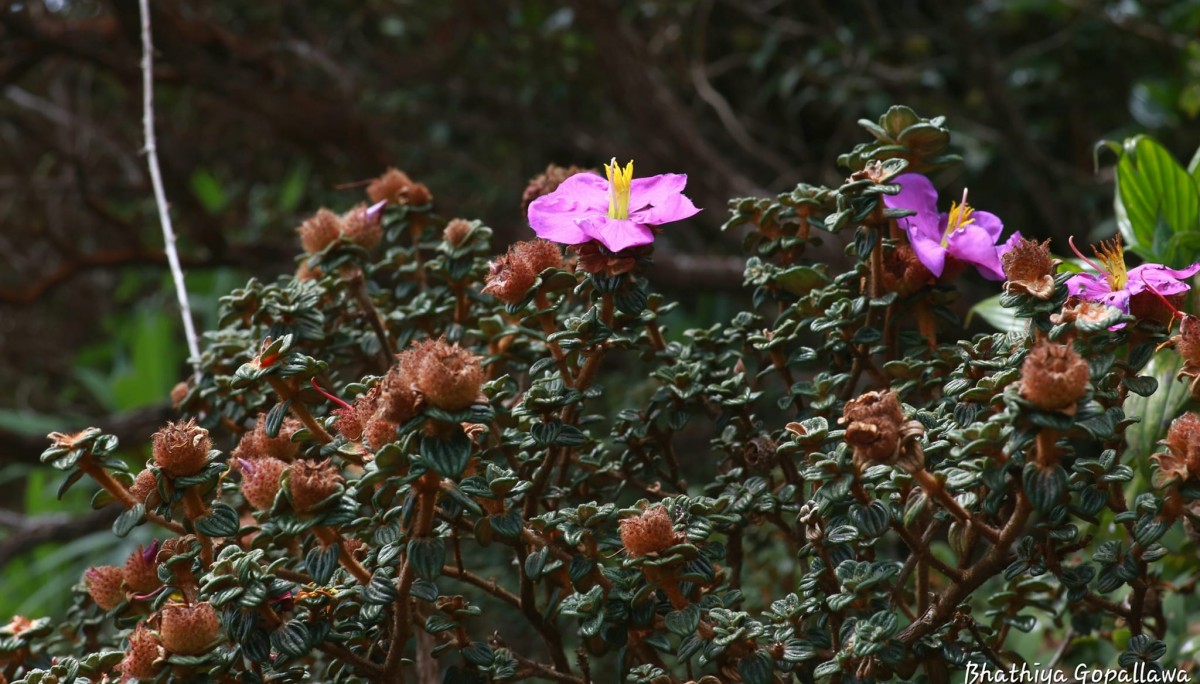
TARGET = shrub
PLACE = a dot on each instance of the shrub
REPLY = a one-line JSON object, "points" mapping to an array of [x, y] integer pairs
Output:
{"points": [[403, 463]]}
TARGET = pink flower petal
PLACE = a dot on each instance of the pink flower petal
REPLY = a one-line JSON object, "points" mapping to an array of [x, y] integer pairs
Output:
{"points": [[556, 216], [917, 194], [616, 234], [974, 245], [929, 252], [655, 190], [989, 222], [673, 208]]}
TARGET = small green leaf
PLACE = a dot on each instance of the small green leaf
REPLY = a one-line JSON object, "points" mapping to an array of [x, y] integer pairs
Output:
{"points": [[128, 520], [427, 556], [222, 521]]}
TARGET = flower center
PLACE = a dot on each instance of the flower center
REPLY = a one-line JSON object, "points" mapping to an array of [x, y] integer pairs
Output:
{"points": [[619, 181], [960, 215], [1111, 256]]}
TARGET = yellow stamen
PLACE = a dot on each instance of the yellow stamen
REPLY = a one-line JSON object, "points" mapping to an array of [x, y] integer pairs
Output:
{"points": [[619, 181], [1111, 255], [960, 215]]}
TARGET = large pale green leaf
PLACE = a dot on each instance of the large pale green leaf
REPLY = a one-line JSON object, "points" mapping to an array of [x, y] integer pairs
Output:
{"points": [[1156, 411], [997, 316], [1156, 203]]}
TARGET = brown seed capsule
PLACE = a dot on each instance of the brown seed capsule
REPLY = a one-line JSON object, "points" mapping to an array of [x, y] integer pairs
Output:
{"points": [[320, 231], [145, 488], [650, 532], [256, 443], [1187, 342], [362, 227], [873, 424], [181, 448], [141, 570], [760, 453], [188, 629], [380, 432], [456, 232], [448, 376], [1029, 269], [509, 279], [312, 482], [398, 399], [1183, 448], [1054, 377], [594, 258], [547, 182], [179, 393], [397, 188], [140, 656], [104, 585], [260, 481], [538, 255]]}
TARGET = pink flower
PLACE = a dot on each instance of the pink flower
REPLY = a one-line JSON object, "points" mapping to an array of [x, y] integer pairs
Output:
{"points": [[1116, 284], [962, 233], [619, 212]]}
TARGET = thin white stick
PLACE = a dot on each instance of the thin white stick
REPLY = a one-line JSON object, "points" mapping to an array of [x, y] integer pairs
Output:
{"points": [[160, 195]]}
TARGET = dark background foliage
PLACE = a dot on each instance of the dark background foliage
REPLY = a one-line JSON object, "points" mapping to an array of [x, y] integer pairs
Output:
{"points": [[269, 110]]}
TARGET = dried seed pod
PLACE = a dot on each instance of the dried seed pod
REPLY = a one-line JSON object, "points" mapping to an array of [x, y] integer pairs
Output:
{"points": [[362, 226], [873, 425], [547, 182], [181, 448], [312, 482], [1054, 377], [456, 232], [397, 188], [448, 376], [1029, 268]]}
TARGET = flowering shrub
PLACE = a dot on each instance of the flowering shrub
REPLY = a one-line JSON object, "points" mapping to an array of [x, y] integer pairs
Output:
{"points": [[406, 463]]}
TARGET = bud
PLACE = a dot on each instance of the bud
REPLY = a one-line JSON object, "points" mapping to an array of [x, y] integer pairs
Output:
{"points": [[448, 376], [509, 279], [17, 625], [260, 481], [1183, 448], [351, 422], [181, 448], [398, 400], [1187, 342], [903, 272], [141, 655], [141, 570], [320, 231], [650, 532], [547, 182], [1029, 269], [179, 393], [538, 255], [1054, 377], [145, 488], [362, 226], [396, 187], [311, 482], [380, 432], [456, 232], [873, 424], [256, 444], [104, 585], [188, 629]]}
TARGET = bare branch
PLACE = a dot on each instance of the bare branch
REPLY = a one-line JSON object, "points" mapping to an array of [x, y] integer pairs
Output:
{"points": [[160, 195]]}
